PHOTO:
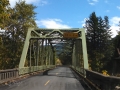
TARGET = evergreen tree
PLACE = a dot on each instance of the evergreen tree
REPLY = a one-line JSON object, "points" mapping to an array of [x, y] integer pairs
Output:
{"points": [[92, 27], [98, 37], [108, 44]]}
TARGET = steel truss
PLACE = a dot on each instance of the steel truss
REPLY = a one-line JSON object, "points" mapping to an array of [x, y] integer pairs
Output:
{"points": [[40, 48]]}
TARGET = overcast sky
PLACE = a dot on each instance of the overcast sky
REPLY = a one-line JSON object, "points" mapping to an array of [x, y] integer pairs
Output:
{"points": [[72, 13]]}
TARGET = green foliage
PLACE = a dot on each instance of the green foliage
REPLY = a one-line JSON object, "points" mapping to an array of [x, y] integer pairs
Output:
{"points": [[115, 62], [96, 63], [65, 59], [98, 41], [4, 14], [112, 64], [22, 17]]}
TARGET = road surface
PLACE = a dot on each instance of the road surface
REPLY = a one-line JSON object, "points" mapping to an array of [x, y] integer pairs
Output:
{"points": [[60, 78]]}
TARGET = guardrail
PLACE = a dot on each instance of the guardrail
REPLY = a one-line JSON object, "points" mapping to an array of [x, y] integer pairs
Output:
{"points": [[98, 81], [102, 81], [8, 74]]}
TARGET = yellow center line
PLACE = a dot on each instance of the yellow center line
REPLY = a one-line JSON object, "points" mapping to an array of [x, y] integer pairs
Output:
{"points": [[47, 82]]}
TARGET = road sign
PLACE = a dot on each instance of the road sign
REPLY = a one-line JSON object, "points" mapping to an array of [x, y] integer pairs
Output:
{"points": [[70, 35]]}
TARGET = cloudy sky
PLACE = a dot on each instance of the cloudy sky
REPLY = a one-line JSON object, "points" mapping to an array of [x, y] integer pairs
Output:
{"points": [[72, 13]]}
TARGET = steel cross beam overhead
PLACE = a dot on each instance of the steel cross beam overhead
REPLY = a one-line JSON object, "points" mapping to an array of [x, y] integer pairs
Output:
{"points": [[40, 48]]}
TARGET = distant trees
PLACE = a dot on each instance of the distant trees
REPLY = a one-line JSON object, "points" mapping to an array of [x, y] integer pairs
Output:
{"points": [[66, 53], [98, 40], [22, 16]]}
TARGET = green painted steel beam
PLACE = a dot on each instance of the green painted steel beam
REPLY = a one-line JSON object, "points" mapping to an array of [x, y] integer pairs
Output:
{"points": [[85, 56], [25, 48], [56, 30], [62, 30], [35, 33]]}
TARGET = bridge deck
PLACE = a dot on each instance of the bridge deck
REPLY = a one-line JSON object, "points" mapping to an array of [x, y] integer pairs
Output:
{"points": [[60, 78]]}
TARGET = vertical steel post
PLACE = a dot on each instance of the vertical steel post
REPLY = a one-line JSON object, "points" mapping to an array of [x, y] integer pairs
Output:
{"points": [[42, 53], [46, 52], [34, 54], [37, 51], [76, 52], [85, 57], [30, 52], [49, 53], [74, 55], [50, 56]]}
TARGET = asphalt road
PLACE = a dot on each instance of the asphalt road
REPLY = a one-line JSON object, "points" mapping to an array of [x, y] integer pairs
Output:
{"points": [[60, 78]]}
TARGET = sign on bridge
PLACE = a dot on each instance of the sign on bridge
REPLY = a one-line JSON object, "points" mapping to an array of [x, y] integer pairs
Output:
{"points": [[70, 35]]}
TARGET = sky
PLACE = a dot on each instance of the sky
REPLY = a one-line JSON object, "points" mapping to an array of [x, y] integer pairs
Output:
{"points": [[72, 13]]}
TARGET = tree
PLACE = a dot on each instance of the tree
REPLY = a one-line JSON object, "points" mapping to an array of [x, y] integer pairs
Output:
{"points": [[64, 52], [4, 14], [92, 27], [22, 16], [98, 37], [116, 60], [108, 44]]}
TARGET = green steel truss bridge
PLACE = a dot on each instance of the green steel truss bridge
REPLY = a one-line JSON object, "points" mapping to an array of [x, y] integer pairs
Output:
{"points": [[40, 50], [43, 41]]}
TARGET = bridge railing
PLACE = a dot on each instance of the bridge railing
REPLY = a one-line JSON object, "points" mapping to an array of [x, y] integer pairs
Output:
{"points": [[8, 74], [80, 70], [28, 70], [98, 80], [102, 81]]}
